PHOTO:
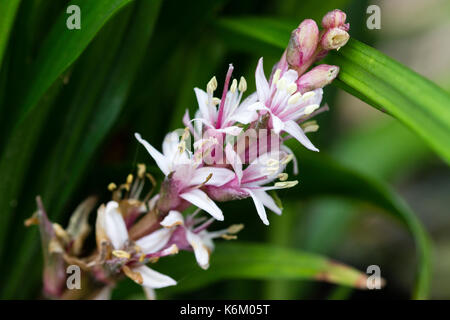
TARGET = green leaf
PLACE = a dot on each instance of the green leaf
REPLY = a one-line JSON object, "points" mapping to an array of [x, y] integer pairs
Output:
{"points": [[8, 10], [384, 83], [60, 49], [242, 260], [321, 175], [63, 46], [116, 91], [95, 105], [371, 76]]}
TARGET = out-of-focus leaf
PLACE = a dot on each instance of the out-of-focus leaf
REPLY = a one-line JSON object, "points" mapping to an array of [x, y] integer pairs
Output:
{"points": [[321, 176], [384, 83], [8, 9], [116, 92], [256, 261], [373, 77], [63, 46], [60, 49]]}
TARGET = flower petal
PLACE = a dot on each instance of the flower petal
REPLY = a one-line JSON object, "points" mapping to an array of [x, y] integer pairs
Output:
{"points": [[159, 158], [220, 176], [115, 227], [153, 279], [155, 241], [295, 131], [262, 86], [259, 206], [278, 125], [201, 200], [205, 110], [174, 218], [200, 250], [267, 200]]}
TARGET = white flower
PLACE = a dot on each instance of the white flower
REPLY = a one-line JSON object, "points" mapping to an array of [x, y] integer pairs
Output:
{"points": [[185, 235], [284, 104], [187, 174], [221, 115], [110, 224]]}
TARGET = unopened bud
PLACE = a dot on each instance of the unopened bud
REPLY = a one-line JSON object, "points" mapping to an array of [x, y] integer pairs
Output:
{"points": [[335, 19], [318, 77], [334, 38], [302, 44]]}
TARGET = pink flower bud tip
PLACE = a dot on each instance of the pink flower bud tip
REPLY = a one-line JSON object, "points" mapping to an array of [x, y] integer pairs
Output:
{"points": [[334, 38], [302, 44], [318, 77], [335, 19]]}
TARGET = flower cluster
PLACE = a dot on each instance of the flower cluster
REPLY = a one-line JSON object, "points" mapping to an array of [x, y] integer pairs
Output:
{"points": [[233, 148]]}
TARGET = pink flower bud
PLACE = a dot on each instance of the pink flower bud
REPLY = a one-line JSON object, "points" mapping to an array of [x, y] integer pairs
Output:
{"points": [[318, 77], [334, 38], [335, 19], [303, 44]]}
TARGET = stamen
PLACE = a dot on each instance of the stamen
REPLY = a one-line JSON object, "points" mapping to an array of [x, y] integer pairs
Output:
{"points": [[215, 101], [286, 184], [283, 176], [235, 228], [242, 85], [233, 86], [121, 254], [310, 126], [294, 98], [276, 76], [292, 88], [212, 85], [129, 179], [311, 108], [308, 95], [281, 84], [228, 237], [112, 186], [141, 170], [287, 159]]}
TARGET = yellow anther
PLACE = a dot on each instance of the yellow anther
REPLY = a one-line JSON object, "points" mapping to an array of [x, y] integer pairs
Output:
{"points": [[130, 179], [292, 88], [212, 85], [229, 237], [233, 86], [60, 232], [311, 108], [235, 228], [310, 126], [121, 254], [242, 85], [283, 176], [215, 101], [141, 170], [287, 159], [112, 186], [276, 76], [308, 95], [142, 258], [294, 98], [281, 84], [286, 184]]}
